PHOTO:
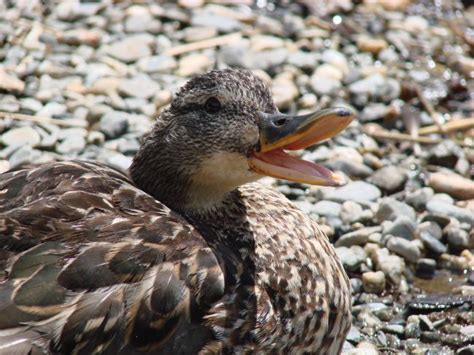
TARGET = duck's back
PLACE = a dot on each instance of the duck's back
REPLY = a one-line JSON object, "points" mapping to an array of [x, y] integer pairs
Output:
{"points": [[92, 264]]}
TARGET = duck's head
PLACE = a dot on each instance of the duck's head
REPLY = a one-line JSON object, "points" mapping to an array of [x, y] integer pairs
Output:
{"points": [[223, 130]]}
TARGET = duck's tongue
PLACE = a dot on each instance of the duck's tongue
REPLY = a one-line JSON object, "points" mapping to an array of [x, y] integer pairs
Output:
{"points": [[281, 132]]}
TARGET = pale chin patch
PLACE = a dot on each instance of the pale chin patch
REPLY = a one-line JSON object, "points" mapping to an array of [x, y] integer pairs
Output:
{"points": [[217, 175]]}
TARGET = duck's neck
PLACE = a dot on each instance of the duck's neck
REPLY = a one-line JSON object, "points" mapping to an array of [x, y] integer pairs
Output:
{"points": [[177, 182]]}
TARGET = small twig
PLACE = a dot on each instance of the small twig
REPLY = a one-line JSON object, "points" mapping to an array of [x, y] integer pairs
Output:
{"points": [[397, 136], [206, 43], [429, 107], [451, 126], [403, 137], [39, 119]]}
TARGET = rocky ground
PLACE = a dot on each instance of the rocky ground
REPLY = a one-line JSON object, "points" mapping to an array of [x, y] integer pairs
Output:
{"points": [[84, 80]]}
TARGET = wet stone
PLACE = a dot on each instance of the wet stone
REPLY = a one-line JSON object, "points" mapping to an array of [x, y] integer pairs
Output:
{"points": [[425, 268]]}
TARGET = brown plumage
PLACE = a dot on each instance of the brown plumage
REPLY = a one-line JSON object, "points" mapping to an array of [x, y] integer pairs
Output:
{"points": [[187, 255]]}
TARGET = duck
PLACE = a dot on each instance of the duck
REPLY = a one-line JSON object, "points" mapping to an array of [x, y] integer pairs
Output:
{"points": [[187, 253]]}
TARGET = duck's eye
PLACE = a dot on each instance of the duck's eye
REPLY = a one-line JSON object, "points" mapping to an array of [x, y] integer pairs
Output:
{"points": [[213, 105]]}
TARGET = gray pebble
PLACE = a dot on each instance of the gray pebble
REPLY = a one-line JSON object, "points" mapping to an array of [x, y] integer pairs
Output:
{"points": [[131, 48], [419, 198], [140, 86], [431, 228], [433, 244], [402, 227], [390, 209], [447, 209], [324, 86], [327, 208], [24, 155], [404, 248], [157, 64], [71, 145], [351, 257], [357, 237], [458, 239], [358, 191], [390, 178], [119, 161], [113, 124], [350, 168]]}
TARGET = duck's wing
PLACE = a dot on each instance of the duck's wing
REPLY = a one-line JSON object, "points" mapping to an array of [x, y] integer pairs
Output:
{"points": [[91, 264]]}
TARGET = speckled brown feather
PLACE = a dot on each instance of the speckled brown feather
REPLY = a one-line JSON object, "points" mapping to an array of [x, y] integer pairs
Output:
{"points": [[94, 264]]}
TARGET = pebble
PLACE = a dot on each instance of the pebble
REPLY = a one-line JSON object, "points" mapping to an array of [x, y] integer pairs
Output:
{"points": [[373, 282], [404, 248], [119, 161], [433, 244], [447, 209], [458, 239], [24, 155], [390, 179], [71, 145], [453, 184], [425, 268], [10, 83], [327, 208], [193, 64], [284, 90], [21, 136], [131, 48], [138, 86], [390, 209], [350, 168], [324, 86], [352, 257], [419, 198], [357, 237], [430, 227], [371, 45], [357, 191], [113, 124], [391, 265], [402, 227], [157, 64]]}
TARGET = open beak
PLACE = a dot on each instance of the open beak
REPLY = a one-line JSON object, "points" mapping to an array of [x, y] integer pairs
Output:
{"points": [[280, 132]]}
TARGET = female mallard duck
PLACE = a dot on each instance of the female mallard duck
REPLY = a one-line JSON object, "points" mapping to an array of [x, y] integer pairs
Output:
{"points": [[187, 255]]}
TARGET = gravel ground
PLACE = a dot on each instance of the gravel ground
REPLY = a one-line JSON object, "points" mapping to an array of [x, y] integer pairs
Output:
{"points": [[85, 79]]}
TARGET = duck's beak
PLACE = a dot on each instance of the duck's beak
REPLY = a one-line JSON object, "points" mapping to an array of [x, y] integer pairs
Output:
{"points": [[280, 132]]}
